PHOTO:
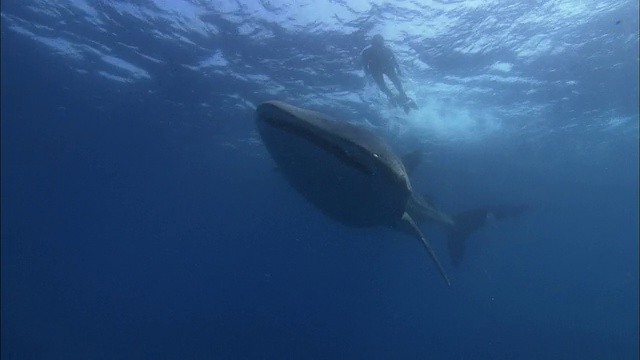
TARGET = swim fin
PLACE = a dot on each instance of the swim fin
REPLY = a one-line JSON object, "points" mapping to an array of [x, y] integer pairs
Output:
{"points": [[407, 104]]}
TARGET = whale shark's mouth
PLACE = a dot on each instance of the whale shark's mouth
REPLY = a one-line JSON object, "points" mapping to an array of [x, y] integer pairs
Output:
{"points": [[288, 123]]}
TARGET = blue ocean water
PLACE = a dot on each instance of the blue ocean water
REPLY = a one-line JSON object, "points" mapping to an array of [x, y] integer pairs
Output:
{"points": [[142, 218]]}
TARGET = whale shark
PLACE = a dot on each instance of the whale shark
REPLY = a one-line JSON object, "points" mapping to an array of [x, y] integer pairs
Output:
{"points": [[349, 173]]}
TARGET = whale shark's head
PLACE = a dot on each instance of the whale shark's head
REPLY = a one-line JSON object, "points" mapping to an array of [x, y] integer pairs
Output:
{"points": [[342, 168], [354, 146], [278, 117]]}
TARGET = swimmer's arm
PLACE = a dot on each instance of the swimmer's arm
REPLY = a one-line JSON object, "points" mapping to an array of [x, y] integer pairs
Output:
{"points": [[365, 62], [395, 63]]}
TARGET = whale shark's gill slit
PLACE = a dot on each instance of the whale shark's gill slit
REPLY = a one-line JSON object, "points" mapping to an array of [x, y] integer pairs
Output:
{"points": [[327, 146]]}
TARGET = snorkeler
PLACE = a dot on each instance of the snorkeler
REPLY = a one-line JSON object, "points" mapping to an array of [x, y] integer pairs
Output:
{"points": [[378, 60]]}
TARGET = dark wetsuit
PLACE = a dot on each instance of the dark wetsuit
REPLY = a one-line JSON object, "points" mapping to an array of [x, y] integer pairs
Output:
{"points": [[379, 60]]}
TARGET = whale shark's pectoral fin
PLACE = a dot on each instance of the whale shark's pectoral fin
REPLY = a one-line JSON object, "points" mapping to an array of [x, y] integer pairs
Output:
{"points": [[410, 226], [420, 209]]}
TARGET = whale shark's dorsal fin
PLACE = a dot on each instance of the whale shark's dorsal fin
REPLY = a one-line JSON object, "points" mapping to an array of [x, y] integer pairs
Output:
{"points": [[409, 225], [412, 160], [468, 222]]}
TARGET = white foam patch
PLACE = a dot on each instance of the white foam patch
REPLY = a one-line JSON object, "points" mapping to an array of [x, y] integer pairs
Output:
{"points": [[45, 8], [501, 66], [493, 78], [61, 46], [150, 58], [90, 13], [114, 77], [135, 71], [616, 122], [449, 121], [215, 60], [138, 12]]}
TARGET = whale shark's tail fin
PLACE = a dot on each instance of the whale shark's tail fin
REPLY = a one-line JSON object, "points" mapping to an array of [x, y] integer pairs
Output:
{"points": [[468, 222]]}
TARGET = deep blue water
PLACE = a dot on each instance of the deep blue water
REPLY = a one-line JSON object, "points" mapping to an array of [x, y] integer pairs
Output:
{"points": [[143, 219]]}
